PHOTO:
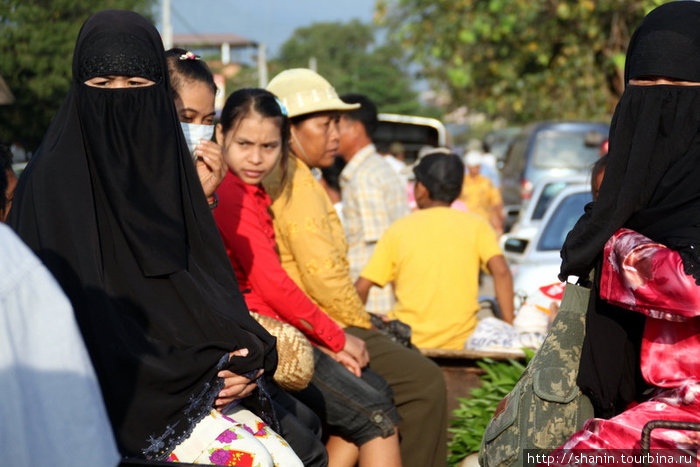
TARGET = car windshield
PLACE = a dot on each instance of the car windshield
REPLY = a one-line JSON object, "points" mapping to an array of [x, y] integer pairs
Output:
{"points": [[562, 221], [549, 191], [556, 148]]}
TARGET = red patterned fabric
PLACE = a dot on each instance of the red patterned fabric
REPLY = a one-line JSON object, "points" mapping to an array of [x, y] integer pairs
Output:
{"points": [[648, 278]]}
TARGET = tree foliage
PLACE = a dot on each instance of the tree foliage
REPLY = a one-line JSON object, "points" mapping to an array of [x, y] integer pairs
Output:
{"points": [[37, 38], [346, 54], [520, 59]]}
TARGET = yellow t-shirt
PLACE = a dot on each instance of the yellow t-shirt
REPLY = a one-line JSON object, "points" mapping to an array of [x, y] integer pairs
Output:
{"points": [[433, 256]]}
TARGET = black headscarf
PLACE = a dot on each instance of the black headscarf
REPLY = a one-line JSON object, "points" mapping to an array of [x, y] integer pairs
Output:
{"points": [[651, 185], [112, 204]]}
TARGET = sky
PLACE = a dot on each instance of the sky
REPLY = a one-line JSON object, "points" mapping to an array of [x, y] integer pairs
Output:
{"points": [[271, 22]]}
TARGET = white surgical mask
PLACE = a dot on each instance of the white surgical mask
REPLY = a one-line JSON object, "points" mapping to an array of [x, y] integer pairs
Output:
{"points": [[195, 133]]}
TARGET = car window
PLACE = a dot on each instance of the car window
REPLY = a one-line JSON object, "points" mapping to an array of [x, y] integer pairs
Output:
{"points": [[562, 221], [556, 148], [549, 191]]}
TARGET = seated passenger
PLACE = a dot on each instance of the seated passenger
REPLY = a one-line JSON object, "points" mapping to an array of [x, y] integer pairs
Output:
{"points": [[433, 258], [112, 205], [254, 132], [194, 92], [639, 361], [44, 363], [313, 251]]}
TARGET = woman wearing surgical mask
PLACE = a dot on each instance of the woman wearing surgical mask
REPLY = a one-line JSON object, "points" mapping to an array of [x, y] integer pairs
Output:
{"points": [[194, 91]]}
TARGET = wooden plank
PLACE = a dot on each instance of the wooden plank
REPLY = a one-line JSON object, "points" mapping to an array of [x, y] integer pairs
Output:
{"points": [[461, 372], [474, 354]]}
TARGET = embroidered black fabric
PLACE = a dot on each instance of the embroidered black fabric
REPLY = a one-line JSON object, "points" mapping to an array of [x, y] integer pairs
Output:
{"points": [[199, 405], [109, 56], [147, 274]]}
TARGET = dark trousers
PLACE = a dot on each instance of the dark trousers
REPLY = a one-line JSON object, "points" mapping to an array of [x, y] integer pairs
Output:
{"points": [[420, 395], [300, 427], [357, 409]]}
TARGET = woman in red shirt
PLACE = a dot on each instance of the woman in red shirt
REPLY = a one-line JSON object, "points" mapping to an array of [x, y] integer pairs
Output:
{"points": [[354, 402]]}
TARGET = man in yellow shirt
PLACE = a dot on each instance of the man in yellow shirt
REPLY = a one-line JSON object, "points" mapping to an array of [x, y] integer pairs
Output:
{"points": [[433, 257]]}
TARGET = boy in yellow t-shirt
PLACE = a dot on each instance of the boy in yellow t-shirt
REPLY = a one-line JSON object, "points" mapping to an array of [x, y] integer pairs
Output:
{"points": [[433, 257]]}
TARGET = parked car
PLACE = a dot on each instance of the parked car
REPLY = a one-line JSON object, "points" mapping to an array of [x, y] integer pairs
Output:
{"points": [[547, 149], [497, 141], [534, 209], [535, 261]]}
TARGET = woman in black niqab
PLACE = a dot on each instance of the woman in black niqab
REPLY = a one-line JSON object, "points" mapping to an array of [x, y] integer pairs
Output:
{"points": [[651, 185], [112, 204]]}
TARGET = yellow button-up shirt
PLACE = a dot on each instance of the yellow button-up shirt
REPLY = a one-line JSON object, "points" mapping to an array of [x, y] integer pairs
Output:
{"points": [[312, 245], [480, 196]]}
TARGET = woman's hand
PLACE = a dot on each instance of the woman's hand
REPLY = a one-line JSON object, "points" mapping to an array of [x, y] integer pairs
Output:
{"points": [[345, 359], [210, 165], [235, 386], [357, 349]]}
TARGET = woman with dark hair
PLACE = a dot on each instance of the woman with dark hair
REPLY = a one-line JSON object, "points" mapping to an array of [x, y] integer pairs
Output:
{"points": [[113, 207], [255, 132], [194, 92], [640, 358]]}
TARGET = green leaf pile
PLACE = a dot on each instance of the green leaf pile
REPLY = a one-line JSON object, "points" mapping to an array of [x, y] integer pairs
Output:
{"points": [[474, 412]]}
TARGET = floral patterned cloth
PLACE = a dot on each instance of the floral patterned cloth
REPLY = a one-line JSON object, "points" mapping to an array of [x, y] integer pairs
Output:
{"points": [[239, 438], [647, 277]]}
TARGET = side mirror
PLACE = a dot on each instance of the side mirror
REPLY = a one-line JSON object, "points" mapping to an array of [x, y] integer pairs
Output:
{"points": [[515, 245]]}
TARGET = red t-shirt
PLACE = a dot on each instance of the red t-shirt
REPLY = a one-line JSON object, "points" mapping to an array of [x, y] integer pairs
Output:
{"points": [[246, 227]]}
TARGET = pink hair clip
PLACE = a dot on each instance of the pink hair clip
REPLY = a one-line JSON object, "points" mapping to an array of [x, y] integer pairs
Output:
{"points": [[189, 56]]}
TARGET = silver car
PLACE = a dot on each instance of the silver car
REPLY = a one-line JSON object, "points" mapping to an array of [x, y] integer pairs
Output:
{"points": [[547, 149]]}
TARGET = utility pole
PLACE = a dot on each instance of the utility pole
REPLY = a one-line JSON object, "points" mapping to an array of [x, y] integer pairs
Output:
{"points": [[167, 32], [262, 65]]}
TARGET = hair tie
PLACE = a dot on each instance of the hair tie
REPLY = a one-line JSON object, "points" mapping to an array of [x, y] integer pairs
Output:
{"points": [[189, 56], [283, 109]]}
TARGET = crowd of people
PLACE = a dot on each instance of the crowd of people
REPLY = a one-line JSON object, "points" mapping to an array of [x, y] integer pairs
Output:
{"points": [[152, 240]]}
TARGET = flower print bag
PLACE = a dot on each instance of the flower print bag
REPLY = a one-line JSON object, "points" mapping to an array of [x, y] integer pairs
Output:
{"points": [[546, 406]]}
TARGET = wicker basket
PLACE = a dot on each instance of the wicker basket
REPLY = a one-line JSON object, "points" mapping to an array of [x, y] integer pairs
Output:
{"points": [[295, 357]]}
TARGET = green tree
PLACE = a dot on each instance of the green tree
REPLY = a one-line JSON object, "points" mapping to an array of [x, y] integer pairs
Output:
{"points": [[520, 59], [348, 56], [37, 39]]}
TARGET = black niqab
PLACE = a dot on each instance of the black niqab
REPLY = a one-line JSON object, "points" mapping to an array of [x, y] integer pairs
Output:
{"points": [[651, 185], [112, 204]]}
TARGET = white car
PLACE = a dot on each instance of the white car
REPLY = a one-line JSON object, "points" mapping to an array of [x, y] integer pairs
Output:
{"points": [[534, 259], [530, 216]]}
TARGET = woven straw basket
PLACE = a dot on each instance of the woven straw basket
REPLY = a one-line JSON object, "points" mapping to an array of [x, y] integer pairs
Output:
{"points": [[295, 357]]}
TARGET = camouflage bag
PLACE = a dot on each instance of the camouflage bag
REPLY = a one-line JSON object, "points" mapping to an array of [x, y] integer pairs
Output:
{"points": [[546, 406]]}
